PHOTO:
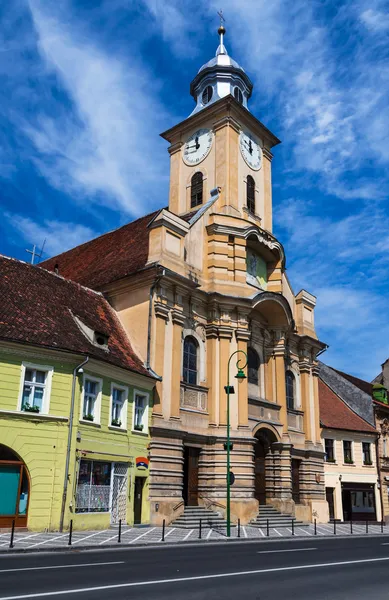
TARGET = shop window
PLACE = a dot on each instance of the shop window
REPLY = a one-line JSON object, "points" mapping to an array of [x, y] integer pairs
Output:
{"points": [[290, 384], [366, 452], [190, 360], [329, 450], [253, 366], [93, 486], [347, 452], [141, 404]]}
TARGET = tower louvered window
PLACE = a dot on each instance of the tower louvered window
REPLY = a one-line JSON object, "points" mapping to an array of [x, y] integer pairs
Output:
{"points": [[251, 194], [196, 191]]}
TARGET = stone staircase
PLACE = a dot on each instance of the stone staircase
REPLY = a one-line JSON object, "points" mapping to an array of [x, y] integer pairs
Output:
{"points": [[276, 519], [190, 518]]}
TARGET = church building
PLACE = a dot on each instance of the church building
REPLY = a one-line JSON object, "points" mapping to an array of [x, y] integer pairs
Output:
{"points": [[203, 279]]}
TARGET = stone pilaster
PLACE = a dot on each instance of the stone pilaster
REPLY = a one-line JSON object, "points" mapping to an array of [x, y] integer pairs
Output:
{"points": [[178, 320], [242, 336], [282, 467], [162, 315]]}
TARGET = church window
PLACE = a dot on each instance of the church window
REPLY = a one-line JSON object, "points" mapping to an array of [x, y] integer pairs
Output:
{"points": [[253, 366], [256, 269], [238, 95], [290, 383], [196, 191], [190, 360], [250, 194], [207, 94]]}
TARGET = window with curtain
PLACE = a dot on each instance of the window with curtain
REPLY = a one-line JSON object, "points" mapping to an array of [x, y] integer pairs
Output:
{"points": [[34, 390], [250, 194], [140, 412], [118, 407], [347, 452], [290, 384], [190, 371], [93, 486], [253, 366], [196, 190], [366, 451]]}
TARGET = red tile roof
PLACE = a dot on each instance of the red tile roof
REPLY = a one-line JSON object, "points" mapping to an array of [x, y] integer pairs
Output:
{"points": [[38, 307], [107, 258], [335, 414]]}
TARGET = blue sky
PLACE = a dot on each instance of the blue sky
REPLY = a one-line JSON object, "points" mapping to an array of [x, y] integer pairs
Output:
{"points": [[88, 85]]}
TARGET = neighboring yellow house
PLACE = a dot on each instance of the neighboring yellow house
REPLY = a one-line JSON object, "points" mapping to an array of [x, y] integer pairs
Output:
{"points": [[65, 359]]}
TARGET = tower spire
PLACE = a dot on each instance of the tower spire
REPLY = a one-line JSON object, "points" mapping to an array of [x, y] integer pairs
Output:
{"points": [[221, 31]]}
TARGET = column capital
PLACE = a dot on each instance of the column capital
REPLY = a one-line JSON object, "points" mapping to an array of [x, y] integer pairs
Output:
{"points": [[212, 331], [225, 332], [304, 366], [178, 317], [161, 310], [242, 335]]}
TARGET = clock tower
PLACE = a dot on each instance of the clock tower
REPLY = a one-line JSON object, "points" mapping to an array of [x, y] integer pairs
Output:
{"points": [[222, 145]]}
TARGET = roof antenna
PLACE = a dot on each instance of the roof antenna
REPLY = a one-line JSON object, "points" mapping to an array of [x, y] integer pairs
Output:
{"points": [[34, 253]]}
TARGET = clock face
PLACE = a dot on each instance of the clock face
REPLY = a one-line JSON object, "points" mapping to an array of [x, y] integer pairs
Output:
{"points": [[197, 146], [251, 150]]}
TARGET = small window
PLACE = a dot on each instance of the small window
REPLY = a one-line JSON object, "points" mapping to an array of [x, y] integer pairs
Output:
{"points": [[93, 486], [347, 452], [118, 406], [190, 360], [250, 189], [290, 384], [196, 190], [238, 95], [253, 366], [207, 94], [366, 451], [141, 412], [90, 406], [34, 390], [329, 450]]}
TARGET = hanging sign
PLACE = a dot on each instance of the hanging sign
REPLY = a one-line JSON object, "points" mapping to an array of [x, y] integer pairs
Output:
{"points": [[142, 463]]}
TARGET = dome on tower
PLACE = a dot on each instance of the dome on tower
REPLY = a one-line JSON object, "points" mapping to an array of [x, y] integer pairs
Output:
{"points": [[218, 78]]}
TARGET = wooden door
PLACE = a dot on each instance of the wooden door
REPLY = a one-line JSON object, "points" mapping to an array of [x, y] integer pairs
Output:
{"points": [[139, 481], [330, 500], [296, 480], [260, 473], [191, 476]]}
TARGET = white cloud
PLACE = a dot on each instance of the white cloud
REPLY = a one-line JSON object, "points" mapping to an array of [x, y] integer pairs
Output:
{"points": [[57, 235], [103, 144], [375, 20]]}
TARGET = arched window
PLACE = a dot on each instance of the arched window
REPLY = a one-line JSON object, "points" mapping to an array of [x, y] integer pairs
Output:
{"points": [[251, 194], [196, 190], [253, 366], [290, 383], [190, 360], [238, 95]]}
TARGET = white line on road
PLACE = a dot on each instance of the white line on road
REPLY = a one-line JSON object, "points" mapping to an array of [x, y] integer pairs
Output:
{"points": [[116, 586], [245, 532], [140, 536], [188, 535], [209, 534], [290, 550], [82, 539], [74, 566], [51, 539]]}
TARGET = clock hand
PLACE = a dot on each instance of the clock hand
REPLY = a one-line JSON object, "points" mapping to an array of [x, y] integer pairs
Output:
{"points": [[197, 142]]}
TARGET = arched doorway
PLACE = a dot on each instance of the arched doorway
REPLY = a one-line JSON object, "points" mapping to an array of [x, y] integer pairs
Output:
{"points": [[15, 489], [265, 439]]}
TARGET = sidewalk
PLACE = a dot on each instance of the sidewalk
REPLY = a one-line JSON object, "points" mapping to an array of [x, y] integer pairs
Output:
{"points": [[153, 535]]}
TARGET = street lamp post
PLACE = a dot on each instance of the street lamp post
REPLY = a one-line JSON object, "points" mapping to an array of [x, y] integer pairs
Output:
{"points": [[230, 390]]}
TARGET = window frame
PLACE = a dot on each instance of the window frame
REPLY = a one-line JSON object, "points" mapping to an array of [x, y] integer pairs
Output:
{"points": [[294, 385], [250, 201], [90, 512], [124, 410], [333, 459], [250, 349], [351, 461], [369, 462], [197, 345], [238, 98], [145, 418], [49, 370], [97, 404], [194, 195]]}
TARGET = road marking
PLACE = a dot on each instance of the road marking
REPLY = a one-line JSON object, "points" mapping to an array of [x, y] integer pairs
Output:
{"points": [[17, 540], [278, 533], [116, 586], [290, 550], [261, 532], [140, 536], [188, 534], [168, 533], [209, 534], [51, 539], [74, 566], [82, 539], [245, 532]]}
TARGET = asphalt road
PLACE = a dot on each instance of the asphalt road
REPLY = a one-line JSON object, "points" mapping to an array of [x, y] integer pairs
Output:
{"points": [[315, 568]]}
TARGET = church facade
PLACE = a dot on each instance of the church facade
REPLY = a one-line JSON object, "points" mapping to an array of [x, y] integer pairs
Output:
{"points": [[199, 281]]}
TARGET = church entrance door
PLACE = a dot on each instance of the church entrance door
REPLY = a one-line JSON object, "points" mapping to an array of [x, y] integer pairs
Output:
{"points": [[265, 438], [191, 476]]}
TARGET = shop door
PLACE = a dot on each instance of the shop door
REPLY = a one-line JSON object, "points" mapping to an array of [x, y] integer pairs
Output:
{"points": [[119, 494], [191, 476], [330, 501], [139, 482], [9, 486], [296, 480]]}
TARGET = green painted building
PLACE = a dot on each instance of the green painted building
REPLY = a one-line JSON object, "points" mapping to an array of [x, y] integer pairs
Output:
{"points": [[75, 407]]}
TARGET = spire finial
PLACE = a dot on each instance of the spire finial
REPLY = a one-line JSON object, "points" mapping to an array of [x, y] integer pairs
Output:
{"points": [[221, 31]]}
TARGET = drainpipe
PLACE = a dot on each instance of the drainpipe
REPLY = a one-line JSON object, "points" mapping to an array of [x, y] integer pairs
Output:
{"points": [[71, 415], [152, 288], [379, 475]]}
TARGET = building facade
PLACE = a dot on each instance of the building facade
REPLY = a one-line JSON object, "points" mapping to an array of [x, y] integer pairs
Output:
{"points": [[380, 387], [204, 279], [350, 472], [74, 399]]}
